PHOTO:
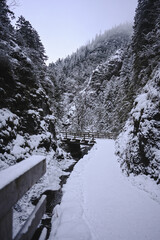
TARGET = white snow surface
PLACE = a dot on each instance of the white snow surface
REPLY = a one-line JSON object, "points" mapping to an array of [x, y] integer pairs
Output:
{"points": [[13, 172], [100, 202]]}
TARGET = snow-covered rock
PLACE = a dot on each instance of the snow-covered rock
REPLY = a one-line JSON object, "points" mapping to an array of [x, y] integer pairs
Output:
{"points": [[138, 146]]}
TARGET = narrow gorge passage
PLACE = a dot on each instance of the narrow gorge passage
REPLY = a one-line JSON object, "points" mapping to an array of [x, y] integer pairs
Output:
{"points": [[54, 197]]}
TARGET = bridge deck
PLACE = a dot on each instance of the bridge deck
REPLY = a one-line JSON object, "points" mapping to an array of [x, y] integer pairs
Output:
{"points": [[82, 138]]}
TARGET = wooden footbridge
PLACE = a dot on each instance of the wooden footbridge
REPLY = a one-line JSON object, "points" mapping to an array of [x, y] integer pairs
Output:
{"points": [[82, 138]]}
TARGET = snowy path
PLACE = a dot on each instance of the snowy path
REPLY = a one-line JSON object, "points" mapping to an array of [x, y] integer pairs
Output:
{"points": [[99, 203]]}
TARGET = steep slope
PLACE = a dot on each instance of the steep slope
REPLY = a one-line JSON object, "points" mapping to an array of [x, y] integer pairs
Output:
{"points": [[79, 65], [138, 145], [146, 40], [25, 110], [109, 94], [74, 74]]}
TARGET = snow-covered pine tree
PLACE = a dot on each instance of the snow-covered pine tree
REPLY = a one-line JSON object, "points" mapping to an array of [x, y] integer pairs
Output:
{"points": [[27, 36], [74, 73], [146, 43], [24, 104], [5, 24], [139, 142]]}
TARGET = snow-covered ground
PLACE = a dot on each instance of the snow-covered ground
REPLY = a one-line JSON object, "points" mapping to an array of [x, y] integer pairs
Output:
{"points": [[50, 181], [100, 203]]}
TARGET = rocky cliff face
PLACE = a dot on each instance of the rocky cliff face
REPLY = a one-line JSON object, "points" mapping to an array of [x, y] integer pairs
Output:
{"points": [[138, 146], [139, 143], [109, 93]]}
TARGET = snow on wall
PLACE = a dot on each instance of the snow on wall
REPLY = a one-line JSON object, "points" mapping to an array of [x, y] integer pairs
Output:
{"points": [[10, 174], [50, 181]]}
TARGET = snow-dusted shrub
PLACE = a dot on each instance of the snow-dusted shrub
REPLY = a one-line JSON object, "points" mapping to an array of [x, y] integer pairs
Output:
{"points": [[138, 146], [16, 144], [9, 124]]}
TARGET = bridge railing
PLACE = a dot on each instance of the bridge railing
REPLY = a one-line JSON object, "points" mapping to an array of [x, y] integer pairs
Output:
{"points": [[15, 181], [84, 135]]}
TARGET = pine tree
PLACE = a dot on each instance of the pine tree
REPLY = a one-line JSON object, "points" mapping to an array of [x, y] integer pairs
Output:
{"points": [[5, 25], [145, 44], [27, 36]]}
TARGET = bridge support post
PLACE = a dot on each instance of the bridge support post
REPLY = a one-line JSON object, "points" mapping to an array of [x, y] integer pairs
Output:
{"points": [[66, 135]]}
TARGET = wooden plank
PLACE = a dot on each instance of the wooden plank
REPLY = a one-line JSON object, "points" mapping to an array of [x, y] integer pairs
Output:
{"points": [[31, 224], [6, 226], [17, 180]]}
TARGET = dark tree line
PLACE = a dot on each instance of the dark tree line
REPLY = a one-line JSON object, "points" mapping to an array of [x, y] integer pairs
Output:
{"points": [[24, 85]]}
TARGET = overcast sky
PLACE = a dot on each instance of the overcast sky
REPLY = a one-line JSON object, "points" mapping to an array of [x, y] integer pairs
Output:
{"points": [[65, 25]]}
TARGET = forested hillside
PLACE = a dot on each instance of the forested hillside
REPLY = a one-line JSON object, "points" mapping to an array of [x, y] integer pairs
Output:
{"points": [[26, 116], [82, 76]]}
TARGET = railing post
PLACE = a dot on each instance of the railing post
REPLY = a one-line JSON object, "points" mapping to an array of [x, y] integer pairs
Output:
{"points": [[6, 226], [31, 224]]}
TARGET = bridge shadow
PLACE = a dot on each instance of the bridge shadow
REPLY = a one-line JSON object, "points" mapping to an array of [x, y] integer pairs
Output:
{"points": [[76, 150], [77, 144]]}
